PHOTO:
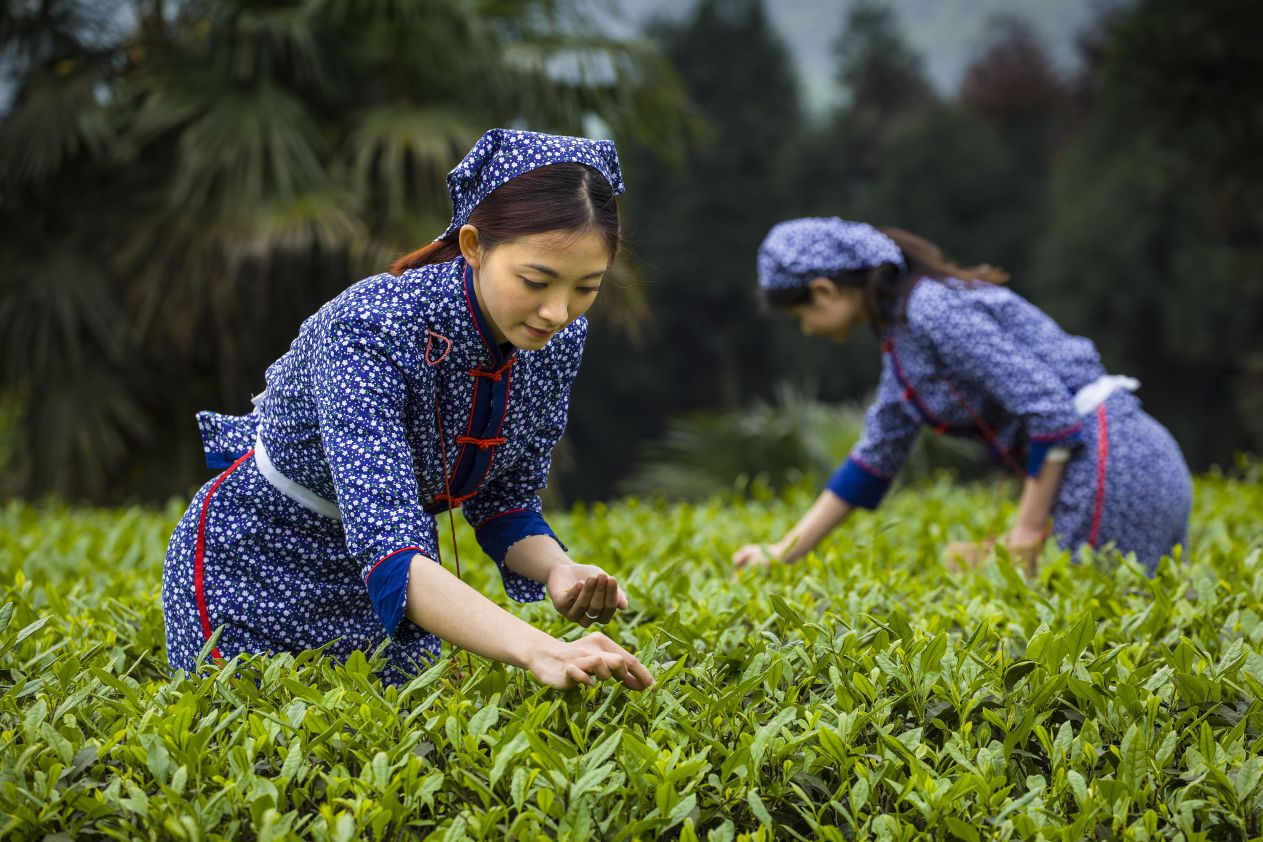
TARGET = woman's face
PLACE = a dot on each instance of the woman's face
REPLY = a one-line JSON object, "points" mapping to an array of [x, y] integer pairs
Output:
{"points": [[832, 311], [532, 287]]}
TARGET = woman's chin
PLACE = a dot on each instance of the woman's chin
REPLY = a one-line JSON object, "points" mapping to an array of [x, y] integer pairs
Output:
{"points": [[527, 340]]}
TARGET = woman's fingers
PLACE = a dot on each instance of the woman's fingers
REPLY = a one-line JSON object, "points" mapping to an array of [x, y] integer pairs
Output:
{"points": [[601, 592], [582, 604], [751, 555], [605, 664], [595, 598], [611, 600], [631, 673], [635, 667], [639, 672], [594, 665], [579, 676], [597, 657], [566, 604], [625, 668]]}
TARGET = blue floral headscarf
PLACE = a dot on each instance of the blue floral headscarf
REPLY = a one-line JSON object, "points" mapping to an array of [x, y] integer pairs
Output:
{"points": [[502, 154], [795, 252]]}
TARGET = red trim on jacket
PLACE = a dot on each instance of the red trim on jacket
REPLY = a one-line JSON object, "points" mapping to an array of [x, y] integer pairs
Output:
{"points": [[870, 470], [1060, 434], [465, 282], [490, 518], [1102, 464], [199, 555], [379, 561]]}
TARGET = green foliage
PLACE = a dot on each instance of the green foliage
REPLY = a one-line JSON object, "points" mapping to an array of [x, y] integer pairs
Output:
{"points": [[694, 225], [1155, 221], [771, 446], [181, 184], [880, 73], [864, 693]]}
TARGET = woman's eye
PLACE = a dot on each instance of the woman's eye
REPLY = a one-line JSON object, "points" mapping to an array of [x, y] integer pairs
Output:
{"points": [[533, 284], [589, 290]]}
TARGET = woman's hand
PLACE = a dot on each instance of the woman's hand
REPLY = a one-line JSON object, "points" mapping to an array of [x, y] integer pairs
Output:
{"points": [[966, 555], [585, 593], [757, 555], [565, 665], [825, 514], [1025, 545], [1021, 537]]}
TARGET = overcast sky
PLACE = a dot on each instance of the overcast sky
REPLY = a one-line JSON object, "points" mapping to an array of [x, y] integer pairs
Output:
{"points": [[946, 33]]}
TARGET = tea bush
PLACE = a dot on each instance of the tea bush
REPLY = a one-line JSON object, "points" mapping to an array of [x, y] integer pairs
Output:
{"points": [[863, 693]]}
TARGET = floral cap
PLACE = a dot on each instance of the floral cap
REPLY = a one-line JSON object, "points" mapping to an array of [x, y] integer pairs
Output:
{"points": [[796, 251], [502, 154]]}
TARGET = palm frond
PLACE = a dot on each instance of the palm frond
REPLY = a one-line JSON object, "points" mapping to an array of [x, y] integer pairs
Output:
{"points": [[56, 118], [244, 148], [76, 431], [624, 303], [774, 445], [399, 155], [323, 222], [273, 41], [628, 84], [57, 311]]}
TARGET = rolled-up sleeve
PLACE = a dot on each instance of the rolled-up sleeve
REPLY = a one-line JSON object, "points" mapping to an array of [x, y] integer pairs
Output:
{"points": [[508, 508], [361, 393], [971, 345], [888, 436]]}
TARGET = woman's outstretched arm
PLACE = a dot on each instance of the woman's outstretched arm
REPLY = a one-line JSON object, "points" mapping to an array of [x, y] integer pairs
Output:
{"points": [[581, 592], [442, 604], [1033, 510], [823, 517]]}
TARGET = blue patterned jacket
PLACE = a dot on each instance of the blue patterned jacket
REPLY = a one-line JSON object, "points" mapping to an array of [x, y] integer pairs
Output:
{"points": [[973, 360], [385, 384]]}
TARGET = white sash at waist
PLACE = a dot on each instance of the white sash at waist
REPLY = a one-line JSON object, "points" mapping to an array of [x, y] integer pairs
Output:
{"points": [[304, 497], [1087, 399]]}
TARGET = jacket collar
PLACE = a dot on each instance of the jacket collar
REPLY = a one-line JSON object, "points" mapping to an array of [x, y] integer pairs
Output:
{"points": [[482, 342]]}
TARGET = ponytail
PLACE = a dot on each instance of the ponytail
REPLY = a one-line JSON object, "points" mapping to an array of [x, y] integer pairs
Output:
{"points": [[886, 287], [439, 251]]}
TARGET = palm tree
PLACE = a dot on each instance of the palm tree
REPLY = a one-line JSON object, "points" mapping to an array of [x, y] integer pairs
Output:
{"points": [[180, 184]]}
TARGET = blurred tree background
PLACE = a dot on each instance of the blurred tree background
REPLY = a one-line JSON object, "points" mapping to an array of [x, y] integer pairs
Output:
{"points": [[181, 183]]}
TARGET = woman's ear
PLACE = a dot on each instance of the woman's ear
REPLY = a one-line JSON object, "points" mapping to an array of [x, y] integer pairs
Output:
{"points": [[470, 245], [823, 289]]}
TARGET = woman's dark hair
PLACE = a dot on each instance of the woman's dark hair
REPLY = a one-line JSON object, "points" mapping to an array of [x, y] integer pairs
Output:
{"points": [[885, 287], [558, 197]]}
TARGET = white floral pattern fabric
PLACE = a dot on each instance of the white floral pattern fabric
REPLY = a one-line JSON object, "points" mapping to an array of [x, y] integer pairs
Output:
{"points": [[979, 361], [502, 154], [385, 385], [798, 250]]}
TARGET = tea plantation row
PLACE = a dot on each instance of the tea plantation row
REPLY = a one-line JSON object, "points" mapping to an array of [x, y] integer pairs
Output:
{"points": [[865, 693]]}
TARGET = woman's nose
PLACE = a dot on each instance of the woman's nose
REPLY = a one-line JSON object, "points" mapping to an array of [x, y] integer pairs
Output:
{"points": [[553, 311]]}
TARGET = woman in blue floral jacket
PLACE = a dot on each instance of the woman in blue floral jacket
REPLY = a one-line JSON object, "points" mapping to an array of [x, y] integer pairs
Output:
{"points": [[443, 384], [964, 356]]}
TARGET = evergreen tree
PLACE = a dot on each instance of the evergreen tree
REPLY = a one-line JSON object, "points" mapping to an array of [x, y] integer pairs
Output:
{"points": [[695, 228], [1155, 240], [178, 194], [833, 164]]}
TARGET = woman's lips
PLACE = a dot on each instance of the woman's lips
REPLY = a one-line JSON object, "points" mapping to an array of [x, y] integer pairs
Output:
{"points": [[537, 333]]}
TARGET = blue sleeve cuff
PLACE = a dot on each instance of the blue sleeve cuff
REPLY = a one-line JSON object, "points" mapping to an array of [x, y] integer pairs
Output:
{"points": [[387, 585], [859, 486], [499, 532], [221, 459], [1038, 450]]}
